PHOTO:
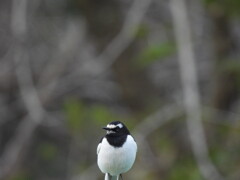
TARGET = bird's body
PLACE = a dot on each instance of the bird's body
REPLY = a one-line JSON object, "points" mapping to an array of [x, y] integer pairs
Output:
{"points": [[116, 151], [116, 161]]}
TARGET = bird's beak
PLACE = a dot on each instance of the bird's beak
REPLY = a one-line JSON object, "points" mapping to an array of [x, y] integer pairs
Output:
{"points": [[106, 128]]}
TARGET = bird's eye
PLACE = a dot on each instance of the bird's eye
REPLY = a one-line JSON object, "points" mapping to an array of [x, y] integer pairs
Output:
{"points": [[117, 128]]}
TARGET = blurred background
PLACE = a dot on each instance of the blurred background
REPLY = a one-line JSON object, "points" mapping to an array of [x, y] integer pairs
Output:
{"points": [[168, 69]]}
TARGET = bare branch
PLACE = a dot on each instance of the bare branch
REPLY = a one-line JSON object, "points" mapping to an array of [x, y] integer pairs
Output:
{"points": [[190, 90], [18, 22], [28, 91]]}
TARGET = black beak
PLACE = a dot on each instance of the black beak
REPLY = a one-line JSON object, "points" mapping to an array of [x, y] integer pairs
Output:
{"points": [[106, 128]]}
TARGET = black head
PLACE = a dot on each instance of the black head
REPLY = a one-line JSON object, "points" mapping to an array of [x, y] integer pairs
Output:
{"points": [[116, 128]]}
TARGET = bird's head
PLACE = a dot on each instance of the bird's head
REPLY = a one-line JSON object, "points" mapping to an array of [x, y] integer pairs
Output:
{"points": [[116, 128]]}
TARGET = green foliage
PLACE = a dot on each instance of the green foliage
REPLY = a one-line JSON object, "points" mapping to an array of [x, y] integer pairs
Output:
{"points": [[76, 114], [231, 67], [232, 7], [101, 114], [142, 31], [185, 170], [229, 154], [154, 53], [21, 176], [219, 156], [47, 151], [166, 146]]}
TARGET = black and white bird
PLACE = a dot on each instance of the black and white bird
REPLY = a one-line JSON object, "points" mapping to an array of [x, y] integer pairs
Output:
{"points": [[116, 151]]}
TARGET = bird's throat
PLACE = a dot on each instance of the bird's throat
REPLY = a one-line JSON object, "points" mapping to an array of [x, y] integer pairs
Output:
{"points": [[116, 141]]}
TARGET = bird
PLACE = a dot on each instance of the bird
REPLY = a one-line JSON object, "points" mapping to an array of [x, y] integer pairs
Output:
{"points": [[116, 151]]}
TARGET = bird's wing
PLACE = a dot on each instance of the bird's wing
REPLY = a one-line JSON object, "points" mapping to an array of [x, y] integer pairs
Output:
{"points": [[99, 145], [136, 147], [135, 144]]}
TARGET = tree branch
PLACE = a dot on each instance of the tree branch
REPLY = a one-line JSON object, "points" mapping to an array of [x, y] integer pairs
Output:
{"points": [[190, 90]]}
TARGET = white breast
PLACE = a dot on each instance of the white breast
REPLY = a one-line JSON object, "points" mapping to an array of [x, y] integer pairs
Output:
{"points": [[116, 160]]}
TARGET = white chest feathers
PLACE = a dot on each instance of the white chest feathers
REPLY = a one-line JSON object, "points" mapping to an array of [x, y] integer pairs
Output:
{"points": [[116, 161]]}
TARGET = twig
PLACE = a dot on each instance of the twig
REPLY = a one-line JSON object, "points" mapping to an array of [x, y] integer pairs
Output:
{"points": [[190, 90]]}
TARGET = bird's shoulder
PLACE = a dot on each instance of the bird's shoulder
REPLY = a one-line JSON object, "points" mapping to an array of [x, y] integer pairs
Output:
{"points": [[131, 141], [99, 145], [101, 140]]}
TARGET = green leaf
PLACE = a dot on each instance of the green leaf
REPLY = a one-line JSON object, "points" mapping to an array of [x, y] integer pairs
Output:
{"points": [[154, 53]]}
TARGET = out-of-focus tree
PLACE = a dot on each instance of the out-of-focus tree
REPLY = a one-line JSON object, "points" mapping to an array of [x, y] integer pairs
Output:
{"points": [[69, 67]]}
